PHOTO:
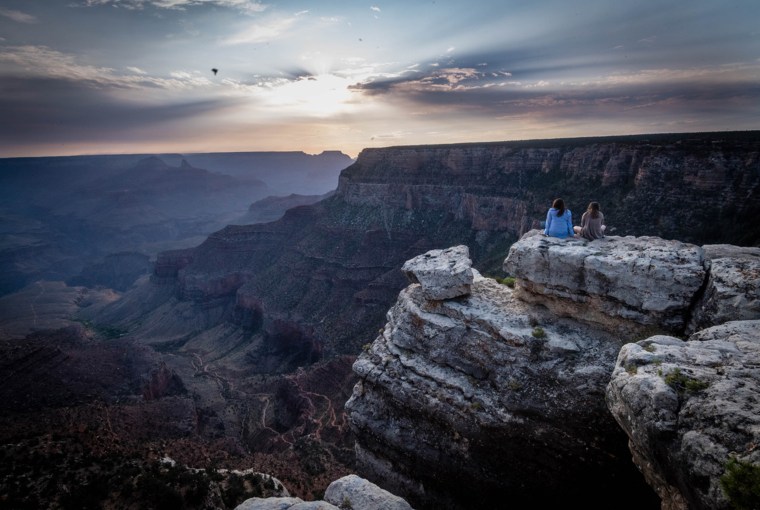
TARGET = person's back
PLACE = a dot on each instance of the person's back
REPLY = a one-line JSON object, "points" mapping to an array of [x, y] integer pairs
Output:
{"points": [[592, 223], [559, 220]]}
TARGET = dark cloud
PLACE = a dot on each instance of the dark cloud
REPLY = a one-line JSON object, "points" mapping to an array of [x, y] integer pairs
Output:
{"points": [[641, 96], [44, 110]]}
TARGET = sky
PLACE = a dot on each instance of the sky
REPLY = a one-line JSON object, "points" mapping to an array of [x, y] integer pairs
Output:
{"points": [[135, 76]]}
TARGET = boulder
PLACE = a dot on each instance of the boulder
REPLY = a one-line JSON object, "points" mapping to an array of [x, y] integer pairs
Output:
{"points": [[350, 492], [692, 413], [357, 493], [282, 504], [443, 274]]}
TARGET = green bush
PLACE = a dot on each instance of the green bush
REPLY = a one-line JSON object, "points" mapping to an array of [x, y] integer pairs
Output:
{"points": [[683, 383], [538, 332], [509, 281], [741, 484]]}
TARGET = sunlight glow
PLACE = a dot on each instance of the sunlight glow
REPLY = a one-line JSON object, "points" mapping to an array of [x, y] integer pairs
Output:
{"points": [[316, 96]]}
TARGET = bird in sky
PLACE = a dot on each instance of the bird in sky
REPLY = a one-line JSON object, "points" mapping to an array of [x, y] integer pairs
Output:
{"points": [[215, 70]]}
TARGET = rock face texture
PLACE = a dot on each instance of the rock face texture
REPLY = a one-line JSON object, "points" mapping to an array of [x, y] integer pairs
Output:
{"points": [[613, 281], [506, 392], [262, 322], [351, 491], [690, 409], [486, 394], [442, 274], [330, 271], [645, 184], [733, 289]]}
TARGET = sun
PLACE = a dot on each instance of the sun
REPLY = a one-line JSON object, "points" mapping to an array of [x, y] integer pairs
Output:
{"points": [[322, 95]]}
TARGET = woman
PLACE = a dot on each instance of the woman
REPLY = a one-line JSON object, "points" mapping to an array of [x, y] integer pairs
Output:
{"points": [[559, 220], [592, 223]]}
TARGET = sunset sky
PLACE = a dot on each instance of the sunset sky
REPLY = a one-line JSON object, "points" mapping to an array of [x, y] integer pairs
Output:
{"points": [[134, 76]]}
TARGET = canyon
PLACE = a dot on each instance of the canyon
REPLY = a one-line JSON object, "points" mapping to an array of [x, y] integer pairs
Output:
{"points": [[239, 349]]}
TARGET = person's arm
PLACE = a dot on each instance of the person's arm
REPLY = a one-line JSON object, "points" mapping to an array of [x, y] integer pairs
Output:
{"points": [[569, 222], [547, 222]]}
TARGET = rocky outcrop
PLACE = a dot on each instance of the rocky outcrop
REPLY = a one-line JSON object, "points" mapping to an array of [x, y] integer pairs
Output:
{"points": [[442, 274], [614, 281], [638, 283], [733, 288], [351, 491], [692, 414], [487, 394], [501, 391]]}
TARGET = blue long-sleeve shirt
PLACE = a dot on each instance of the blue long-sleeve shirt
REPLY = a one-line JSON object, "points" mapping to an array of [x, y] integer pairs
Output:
{"points": [[559, 226]]}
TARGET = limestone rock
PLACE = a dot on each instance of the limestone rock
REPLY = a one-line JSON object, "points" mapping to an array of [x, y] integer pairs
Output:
{"points": [[270, 504], [492, 396], [614, 281], [688, 407], [443, 274], [359, 494], [733, 288], [350, 492]]}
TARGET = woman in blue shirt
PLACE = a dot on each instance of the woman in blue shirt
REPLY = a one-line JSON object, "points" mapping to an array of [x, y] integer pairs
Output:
{"points": [[559, 220]]}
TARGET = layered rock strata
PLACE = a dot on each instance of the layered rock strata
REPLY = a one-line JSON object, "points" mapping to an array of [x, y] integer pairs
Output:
{"points": [[486, 394], [330, 270], [692, 413], [614, 281], [498, 391]]}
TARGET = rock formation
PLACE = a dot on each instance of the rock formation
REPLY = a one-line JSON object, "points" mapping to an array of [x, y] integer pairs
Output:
{"points": [[691, 411], [351, 491], [497, 391], [261, 323]]}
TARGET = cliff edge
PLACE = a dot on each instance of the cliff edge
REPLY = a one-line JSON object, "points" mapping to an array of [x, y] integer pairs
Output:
{"points": [[523, 395]]}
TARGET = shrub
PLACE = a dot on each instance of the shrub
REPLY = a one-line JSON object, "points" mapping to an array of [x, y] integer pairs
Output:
{"points": [[538, 332], [741, 484], [509, 281], [683, 383]]}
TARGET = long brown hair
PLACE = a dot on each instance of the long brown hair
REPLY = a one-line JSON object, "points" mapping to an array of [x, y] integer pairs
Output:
{"points": [[559, 205], [593, 208]]}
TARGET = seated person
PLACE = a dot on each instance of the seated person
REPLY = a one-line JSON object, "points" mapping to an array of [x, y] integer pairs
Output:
{"points": [[559, 220], [592, 223]]}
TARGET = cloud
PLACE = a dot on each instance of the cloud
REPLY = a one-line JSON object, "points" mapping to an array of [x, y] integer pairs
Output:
{"points": [[261, 32], [704, 96], [375, 8], [43, 62], [136, 70], [40, 110], [437, 80], [248, 6], [18, 16]]}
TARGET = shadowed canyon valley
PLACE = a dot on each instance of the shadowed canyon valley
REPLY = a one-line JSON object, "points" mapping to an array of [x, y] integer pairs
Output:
{"points": [[218, 310]]}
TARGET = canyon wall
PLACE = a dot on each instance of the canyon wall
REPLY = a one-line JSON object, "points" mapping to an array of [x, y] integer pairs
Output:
{"points": [[331, 269], [259, 324]]}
